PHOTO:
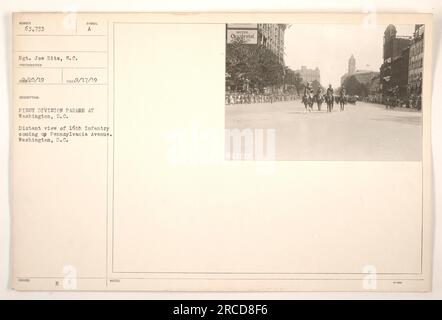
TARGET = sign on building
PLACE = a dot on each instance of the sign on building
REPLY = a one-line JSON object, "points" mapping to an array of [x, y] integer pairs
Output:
{"points": [[243, 36]]}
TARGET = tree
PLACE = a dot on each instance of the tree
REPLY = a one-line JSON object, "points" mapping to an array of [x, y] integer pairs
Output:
{"points": [[354, 87], [236, 62], [294, 80], [299, 82], [254, 64], [316, 85]]}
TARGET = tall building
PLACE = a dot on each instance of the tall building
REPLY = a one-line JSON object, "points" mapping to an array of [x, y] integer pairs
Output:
{"points": [[309, 75], [399, 72], [351, 65], [363, 76], [394, 69], [415, 65], [272, 36]]}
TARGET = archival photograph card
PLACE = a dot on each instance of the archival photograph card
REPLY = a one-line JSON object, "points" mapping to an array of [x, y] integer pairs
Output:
{"points": [[221, 152]]}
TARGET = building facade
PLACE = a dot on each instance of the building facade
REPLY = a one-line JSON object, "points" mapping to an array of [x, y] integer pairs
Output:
{"points": [[394, 68], [272, 37], [399, 72], [415, 64], [309, 75]]}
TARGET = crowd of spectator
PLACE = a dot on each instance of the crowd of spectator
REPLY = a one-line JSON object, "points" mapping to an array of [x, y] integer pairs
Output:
{"points": [[232, 98]]}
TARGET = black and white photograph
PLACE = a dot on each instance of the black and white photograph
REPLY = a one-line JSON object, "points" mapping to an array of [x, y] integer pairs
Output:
{"points": [[324, 91]]}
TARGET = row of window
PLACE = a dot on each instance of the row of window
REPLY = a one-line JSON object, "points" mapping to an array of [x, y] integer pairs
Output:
{"points": [[415, 63], [417, 48], [271, 29], [414, 76]]}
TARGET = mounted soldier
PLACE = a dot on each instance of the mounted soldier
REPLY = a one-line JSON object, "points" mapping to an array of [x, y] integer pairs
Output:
{"points": [[329, 98], [307, 98], [319, 98], [308, 90], [330, 89], [342, 98]]}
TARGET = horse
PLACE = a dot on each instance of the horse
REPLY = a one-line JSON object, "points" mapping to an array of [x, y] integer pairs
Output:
{"points": [[319, 99], [329, 99], [342, 102], [307, 100]]}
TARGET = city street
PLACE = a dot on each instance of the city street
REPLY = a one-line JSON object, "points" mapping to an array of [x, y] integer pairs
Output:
{"points": [[363, 131]]}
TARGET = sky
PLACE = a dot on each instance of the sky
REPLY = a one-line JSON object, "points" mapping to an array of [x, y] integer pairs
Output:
{"points": [[329, 46]]}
